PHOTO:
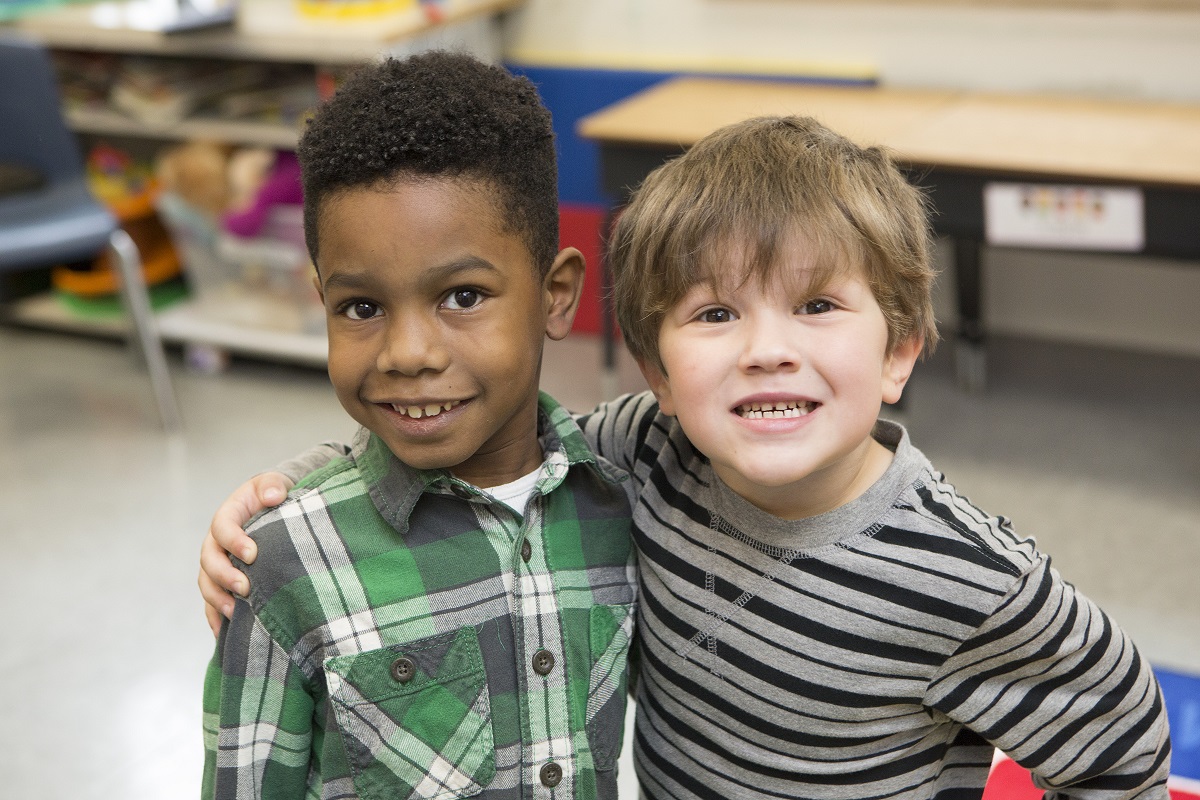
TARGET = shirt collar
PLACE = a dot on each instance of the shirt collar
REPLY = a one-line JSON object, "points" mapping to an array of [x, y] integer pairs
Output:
{"points": [[395, 487]]}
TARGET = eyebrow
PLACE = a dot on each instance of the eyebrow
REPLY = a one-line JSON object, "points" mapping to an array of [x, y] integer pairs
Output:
{"points": [[437, 274]]}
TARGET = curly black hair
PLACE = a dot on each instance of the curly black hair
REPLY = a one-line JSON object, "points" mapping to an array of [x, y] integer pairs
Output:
{"points": [[443, 115]]}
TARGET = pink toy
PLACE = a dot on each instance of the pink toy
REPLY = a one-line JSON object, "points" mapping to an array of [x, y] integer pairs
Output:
{"points": [[262, 184]]}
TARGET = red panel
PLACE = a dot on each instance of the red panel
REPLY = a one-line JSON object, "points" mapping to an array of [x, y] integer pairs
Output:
{"points": [[580, 226]]}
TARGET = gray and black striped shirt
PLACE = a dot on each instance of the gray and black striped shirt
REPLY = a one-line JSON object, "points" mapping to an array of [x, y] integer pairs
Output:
{"points": [[880, 650]]}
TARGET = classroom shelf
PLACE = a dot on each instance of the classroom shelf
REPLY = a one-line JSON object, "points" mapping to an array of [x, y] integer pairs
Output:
{"points": [[105, 122], [268, 31], [181, 324]]}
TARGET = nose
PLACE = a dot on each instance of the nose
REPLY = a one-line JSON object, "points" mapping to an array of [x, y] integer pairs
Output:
{"points": [[413, 343], [769, 344]]}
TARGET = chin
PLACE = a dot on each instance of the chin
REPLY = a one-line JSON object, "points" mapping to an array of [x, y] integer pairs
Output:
{"points": [[768, 479]]}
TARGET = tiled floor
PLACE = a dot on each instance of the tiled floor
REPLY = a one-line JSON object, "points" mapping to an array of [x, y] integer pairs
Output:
{"points": [[1096, 453]]}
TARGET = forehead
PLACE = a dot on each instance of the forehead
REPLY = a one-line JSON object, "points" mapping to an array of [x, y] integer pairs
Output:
{"points": [[412, 225], [413, 195], [796, 261]]}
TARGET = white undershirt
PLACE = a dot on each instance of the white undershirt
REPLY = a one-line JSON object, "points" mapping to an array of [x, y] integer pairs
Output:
{"points": [[516, 494]]}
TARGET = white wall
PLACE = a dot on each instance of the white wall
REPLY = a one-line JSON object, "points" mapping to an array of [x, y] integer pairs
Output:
{"points": [[1126, 302]]}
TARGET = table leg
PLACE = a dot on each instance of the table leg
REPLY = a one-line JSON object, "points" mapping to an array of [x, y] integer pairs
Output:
{"points": [[970, 358], [609, 381]]}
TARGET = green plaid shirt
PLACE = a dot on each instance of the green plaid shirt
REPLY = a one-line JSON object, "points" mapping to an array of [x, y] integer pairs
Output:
{"points": [[407, 635]]}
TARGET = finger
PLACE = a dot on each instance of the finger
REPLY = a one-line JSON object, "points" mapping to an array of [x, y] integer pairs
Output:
{"points": [[217, 603], [272, 488], [252, 497], [219, 575], [227, 535], [213, 617]]}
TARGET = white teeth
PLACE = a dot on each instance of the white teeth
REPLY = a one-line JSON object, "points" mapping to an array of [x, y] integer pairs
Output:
{"points": [[430, 410], [775, 410]]}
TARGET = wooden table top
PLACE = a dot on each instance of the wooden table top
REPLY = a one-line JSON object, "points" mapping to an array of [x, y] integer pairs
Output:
{"points": [[1053, 136]]}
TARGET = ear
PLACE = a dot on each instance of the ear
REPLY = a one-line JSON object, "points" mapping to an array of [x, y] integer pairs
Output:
{"points": [[562, 288], [899, 366], [659, 384], [320, 289]]}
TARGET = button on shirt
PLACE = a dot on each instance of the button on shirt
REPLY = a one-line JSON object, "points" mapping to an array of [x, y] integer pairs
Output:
{"points": [[401, 641]]}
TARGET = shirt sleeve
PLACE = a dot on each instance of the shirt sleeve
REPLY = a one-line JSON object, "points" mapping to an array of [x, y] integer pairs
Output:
{"points": [[1051, 680], [616, 430], [311, 460], [257, 717]]}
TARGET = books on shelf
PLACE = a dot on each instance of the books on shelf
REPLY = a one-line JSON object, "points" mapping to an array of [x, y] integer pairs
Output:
{"points": [[164, 91], [161, 91]]}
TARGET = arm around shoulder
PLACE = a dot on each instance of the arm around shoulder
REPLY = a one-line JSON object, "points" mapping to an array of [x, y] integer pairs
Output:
{"points": [[618, 429], [219, 579], [311, 460]]}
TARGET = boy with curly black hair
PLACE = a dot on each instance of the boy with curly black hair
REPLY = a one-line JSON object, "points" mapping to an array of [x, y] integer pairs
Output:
{"points": [[446, 608]]}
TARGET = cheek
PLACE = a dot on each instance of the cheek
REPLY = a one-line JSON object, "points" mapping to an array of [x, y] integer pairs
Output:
{"points": [[347, 362], [504, 354], [857, 359]]}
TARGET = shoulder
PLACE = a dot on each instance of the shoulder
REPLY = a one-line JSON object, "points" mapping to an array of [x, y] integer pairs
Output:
{"points": [[310, 498], [623, 415], [924, 521], [301, 540], [632, 423], [978, 547]]}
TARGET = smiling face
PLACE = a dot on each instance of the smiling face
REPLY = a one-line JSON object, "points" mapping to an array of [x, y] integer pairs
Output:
{"points": [[435, 318], [780, 388]]}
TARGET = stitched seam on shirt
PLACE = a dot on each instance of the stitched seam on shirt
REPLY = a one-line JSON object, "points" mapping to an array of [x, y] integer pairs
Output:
{"points": [[980, 545], [759, 583], [721, 525]]}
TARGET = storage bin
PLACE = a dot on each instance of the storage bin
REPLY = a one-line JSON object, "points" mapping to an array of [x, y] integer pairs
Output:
{"points": [[260, 282]]}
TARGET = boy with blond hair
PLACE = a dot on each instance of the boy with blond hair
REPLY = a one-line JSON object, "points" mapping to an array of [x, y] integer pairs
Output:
{"points": [[821, 613]]}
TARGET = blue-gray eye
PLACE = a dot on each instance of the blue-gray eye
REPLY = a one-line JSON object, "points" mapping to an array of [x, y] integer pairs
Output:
{"points": [[816, 307], [716, 315]]}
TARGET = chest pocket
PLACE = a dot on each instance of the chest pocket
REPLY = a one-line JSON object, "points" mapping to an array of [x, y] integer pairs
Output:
{"points": [[415, 719], [611, 633]]}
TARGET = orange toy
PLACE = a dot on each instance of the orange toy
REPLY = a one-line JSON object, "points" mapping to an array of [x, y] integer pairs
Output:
{"points": [[129, 191]]}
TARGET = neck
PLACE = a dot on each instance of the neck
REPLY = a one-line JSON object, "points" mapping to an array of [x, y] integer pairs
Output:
{"points": [[820, 492]]}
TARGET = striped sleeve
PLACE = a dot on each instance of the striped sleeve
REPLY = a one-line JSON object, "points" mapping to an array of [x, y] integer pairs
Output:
{"points": [[1050, 680], [258, 717], [618, 430]]}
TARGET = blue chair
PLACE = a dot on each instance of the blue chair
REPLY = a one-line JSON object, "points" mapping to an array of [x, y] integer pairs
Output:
{"points": [[48, 214]]}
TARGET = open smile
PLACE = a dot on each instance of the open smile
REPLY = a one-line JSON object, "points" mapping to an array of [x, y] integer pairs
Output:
{"points": [[424, 409], [780, 410]]}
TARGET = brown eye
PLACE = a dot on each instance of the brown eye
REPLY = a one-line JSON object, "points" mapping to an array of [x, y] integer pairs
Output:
{"points": [[463, 298], [361, 309], [716, 315]]}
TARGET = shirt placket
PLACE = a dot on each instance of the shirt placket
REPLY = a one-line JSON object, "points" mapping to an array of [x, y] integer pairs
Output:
{"points": [[550, 761]]}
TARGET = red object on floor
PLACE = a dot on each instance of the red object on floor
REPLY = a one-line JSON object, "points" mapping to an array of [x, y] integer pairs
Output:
{"points": [[1010, 781], [581, 226]]}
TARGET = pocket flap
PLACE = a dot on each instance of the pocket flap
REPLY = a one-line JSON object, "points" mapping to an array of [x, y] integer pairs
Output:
{"points": [[439, 659]]}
